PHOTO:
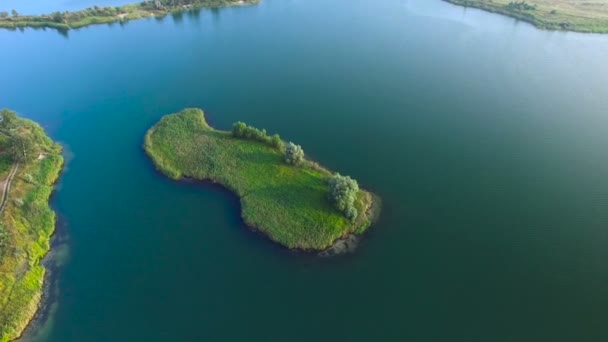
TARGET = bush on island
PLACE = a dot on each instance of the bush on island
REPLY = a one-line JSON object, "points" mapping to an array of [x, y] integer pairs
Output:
{"points": [[294, 154], [241, 130], [343, 192]]}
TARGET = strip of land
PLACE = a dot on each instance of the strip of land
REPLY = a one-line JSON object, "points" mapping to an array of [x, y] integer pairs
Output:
{"points": [[7, 186], [288, 203], [590, 16], [64, 21], [30, 163]]}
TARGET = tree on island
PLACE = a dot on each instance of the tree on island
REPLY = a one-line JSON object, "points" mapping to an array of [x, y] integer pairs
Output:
{"points": [[14, 13], [277, 142], [7, 118], [3, 14], [242, 131], [22, 148], [343, 192], [294, 154], [58, 17]]}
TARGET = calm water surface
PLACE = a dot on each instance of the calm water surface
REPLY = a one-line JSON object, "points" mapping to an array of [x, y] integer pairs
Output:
{"points": [[485, 137]]}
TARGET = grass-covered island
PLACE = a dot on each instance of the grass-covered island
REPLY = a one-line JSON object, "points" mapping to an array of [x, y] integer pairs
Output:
{"points": [[29, 165], [292, 200], [64, 21], [566, 15]]}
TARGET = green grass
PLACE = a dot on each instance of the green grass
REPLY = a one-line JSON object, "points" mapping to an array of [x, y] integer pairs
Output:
{"points": [[26, 226], [65, 21], [567, 15], [287, 203]]}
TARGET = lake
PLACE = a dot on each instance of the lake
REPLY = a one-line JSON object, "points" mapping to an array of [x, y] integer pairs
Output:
{"points": [[485, 137]]}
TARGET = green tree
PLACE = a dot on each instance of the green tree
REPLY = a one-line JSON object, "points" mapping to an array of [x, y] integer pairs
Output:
{"points": [[294, 154], [277, 142], [14, 13], [57, 17], [343, 192], [8, 118], [3, 14], [238, 129], [22, 148]]}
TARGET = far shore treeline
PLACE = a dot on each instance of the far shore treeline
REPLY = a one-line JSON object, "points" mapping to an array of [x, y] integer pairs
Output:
{"points": [[64, 21]]}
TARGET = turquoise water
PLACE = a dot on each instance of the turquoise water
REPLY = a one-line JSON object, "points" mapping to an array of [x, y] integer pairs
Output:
{"points": [[484, 136]]}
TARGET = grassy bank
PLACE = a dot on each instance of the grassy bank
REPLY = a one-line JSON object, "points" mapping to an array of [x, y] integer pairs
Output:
{"points": [[65, 21], [26, 224], [287, 203], [565, 15]]}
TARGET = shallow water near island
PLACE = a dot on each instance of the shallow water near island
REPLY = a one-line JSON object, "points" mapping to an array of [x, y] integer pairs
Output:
{"points": [[485, 138]]}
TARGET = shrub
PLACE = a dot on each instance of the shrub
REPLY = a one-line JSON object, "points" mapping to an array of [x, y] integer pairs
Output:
{"points": [[521, 6], [22, 148], [277, 142], [242, 131], [8, 118], [238, 129], [294, 154], [57, 17], [343, 192]]}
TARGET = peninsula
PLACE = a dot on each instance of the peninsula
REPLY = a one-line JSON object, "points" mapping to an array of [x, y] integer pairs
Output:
{"points": [[64, 21], [30, 164], [292, 200], [565, 15]]}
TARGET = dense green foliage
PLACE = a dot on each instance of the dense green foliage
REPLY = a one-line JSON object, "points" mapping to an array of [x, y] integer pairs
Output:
{"points": [[64, 21], [22, 148], [521, 6], [343, 192], [26, 223], [243, 131], [581, 16], [294, 154], [287, 203]]}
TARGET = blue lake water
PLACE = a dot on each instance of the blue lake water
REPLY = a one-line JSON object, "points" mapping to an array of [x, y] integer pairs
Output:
{"points": [[485, 137]]}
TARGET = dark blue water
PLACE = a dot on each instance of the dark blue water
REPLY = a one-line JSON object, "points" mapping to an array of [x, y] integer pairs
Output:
{"points": [[485, 137]]}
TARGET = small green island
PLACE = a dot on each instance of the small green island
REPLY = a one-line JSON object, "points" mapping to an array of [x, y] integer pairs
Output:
{"points": [[564, 15], [292, 200], [30, 163], [64, 21]]}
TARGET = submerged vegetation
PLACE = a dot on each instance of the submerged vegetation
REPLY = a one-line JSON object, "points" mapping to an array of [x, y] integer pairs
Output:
{"points": [[65, 21], [293, 204], [581, 16], [29, 165]]}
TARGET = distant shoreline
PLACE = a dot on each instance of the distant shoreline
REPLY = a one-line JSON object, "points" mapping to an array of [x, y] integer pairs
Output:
{"points": [[546, 17], [65, 21]]}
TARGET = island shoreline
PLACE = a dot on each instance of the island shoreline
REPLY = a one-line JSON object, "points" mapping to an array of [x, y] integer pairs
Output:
{"points": [[50, 285], [373, 210], [370, 202], [31, 222]]}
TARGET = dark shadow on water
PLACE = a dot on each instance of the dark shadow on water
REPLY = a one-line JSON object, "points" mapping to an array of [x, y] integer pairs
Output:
{"points": [[253, 235], [194, 15], [53, 261], [160, 18], [178, 17]]}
